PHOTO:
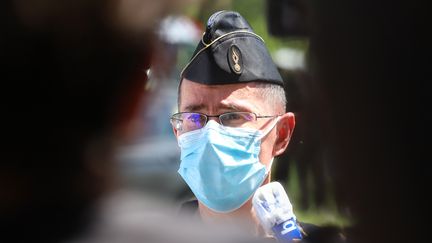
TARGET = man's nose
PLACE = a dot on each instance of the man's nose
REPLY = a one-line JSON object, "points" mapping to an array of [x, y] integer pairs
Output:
{"points": [[214, 118]]}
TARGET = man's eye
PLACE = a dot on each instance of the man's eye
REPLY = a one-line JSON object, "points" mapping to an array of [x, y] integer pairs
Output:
{"points": [[195, 118], [233, 117]]}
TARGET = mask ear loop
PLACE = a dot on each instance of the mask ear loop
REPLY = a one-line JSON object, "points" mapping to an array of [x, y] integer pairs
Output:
{"points": [[267, 131], [268, 169]]}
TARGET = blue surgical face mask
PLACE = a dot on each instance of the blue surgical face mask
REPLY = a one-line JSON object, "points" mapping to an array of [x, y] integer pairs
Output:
{"points": [[221, 164]]}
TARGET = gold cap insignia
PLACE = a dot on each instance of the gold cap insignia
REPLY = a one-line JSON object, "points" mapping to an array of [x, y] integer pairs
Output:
{"points": [[235, 59]]}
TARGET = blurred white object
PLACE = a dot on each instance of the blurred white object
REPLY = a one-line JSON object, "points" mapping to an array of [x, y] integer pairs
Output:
{"points": [[290, 59], [275, 212], [179, 30]]}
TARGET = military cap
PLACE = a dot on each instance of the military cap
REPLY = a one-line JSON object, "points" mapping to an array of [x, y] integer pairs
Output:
{"points": [[230, 52]]}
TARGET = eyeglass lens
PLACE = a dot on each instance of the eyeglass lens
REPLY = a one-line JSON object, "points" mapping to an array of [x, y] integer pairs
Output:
{"points": [[189, 121]]}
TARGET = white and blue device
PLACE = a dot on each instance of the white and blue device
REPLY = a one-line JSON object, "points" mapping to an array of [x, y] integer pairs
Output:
{"points": [[275, 212]]}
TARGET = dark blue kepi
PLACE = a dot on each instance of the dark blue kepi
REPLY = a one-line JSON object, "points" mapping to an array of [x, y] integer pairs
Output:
{"points": [[230, 52]]}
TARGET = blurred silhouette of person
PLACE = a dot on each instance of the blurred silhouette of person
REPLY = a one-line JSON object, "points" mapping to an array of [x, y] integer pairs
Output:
{"points": [[369, 83], [73, 73], [70, 82]]}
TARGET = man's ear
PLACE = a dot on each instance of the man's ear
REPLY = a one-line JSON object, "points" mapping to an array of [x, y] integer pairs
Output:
{"points": [[284, 132]]}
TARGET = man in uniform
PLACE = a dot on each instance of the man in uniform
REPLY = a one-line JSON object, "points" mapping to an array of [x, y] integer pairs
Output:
{"points": [[232, 120]]}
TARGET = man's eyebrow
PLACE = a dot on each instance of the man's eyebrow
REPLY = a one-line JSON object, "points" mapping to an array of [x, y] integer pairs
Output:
{"points": [[236, 107], [194, 107], [225, 106]]}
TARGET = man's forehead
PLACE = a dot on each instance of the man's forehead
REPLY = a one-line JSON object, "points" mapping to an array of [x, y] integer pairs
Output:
{"points": [[196, 96]]}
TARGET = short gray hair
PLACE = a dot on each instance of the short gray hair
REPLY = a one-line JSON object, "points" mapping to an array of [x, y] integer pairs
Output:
{"points": [[274, 94]]}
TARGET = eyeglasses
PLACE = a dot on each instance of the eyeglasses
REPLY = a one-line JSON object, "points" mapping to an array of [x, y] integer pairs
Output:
{"points": [[190, 121]]}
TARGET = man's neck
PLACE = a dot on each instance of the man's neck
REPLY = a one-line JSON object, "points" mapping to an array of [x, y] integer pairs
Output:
{"points": [[244, 217]]}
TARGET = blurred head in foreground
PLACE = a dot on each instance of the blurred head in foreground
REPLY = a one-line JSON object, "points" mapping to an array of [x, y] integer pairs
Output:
{"points": [[72, 75], [371, 88]]}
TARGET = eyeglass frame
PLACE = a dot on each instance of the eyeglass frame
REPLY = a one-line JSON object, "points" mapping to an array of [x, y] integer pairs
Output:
{"points": [[218, 116]]}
